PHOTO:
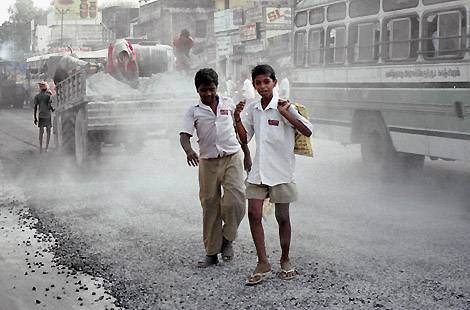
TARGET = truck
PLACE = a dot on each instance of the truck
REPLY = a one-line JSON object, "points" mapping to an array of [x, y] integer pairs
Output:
{"points": [[85, 123]]}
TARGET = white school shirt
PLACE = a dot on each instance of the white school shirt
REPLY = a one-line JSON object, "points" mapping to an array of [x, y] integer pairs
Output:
{"points": [[274, 161], [216, 133]]}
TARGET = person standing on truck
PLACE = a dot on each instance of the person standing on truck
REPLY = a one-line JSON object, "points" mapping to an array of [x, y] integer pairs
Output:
{"points": [[122, 62], [221, 165], [183, 45], [43, 103]]}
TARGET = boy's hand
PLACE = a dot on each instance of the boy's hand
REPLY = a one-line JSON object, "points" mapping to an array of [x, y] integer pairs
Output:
{"points": [[192, 158], [35, 121], [247, 163], [239, 108], [283, 106]]}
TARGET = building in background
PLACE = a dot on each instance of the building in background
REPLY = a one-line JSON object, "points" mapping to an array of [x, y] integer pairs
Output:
{"points": [[40, 35], [118, 20], [75, 23], [162, 21], [250, 32]]}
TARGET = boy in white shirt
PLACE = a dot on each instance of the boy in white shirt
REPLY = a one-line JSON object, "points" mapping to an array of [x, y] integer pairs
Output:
{"points": [[220, 163], [273, 122]]}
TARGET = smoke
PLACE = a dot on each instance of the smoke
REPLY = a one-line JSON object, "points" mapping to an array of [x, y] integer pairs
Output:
{"points": [[7, 50], [122, 3]]}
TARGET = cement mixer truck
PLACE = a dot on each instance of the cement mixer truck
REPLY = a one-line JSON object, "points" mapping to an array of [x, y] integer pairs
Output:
{"points": [[85, 121]]}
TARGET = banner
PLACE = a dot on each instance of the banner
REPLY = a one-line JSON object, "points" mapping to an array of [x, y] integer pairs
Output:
{"points": [[278, 16], [75, 9]]}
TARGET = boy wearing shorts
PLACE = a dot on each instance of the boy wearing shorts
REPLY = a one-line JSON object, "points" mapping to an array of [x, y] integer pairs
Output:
{"points": [[273, 122]]}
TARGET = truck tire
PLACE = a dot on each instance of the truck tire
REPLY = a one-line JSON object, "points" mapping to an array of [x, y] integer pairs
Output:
{"points": [[377, 149], [66, 134], [81, 137]]}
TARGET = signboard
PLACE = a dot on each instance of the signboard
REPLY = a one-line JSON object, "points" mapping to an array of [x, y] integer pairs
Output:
{"points": [[76, 9], [255, 47], [275, 33], [278, 16], [223, 21], [223, 46], [249, 32], [254, 14], [238, 16]]}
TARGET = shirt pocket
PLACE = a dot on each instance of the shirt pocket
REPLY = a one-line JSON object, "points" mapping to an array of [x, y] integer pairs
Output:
{"points": [[225, 128], [275, 130]]}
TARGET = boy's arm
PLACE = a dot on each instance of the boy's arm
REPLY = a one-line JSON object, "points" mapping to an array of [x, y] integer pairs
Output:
{"points": [[191, 156], [241, 131], [247, 159], [283, 108]]}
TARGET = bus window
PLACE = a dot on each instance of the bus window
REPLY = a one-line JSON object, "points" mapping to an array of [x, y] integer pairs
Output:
{"points": [[336, 45], [359, 8], [301, 19], [363, 40], [394, 5], [429, 2], [336, 11], [316, 16], [315, 46], [442, 34], [299, 45], [401, 36]]}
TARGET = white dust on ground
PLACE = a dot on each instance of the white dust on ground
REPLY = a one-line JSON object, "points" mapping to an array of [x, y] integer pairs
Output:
{"points": [[30, 278]]}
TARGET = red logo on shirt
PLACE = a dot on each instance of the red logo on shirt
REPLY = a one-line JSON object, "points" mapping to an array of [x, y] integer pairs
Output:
{"points": [[273, 122], [223, 112]]}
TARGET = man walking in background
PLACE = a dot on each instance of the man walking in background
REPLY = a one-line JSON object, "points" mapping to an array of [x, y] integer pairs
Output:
{"points": [[43, 102]]}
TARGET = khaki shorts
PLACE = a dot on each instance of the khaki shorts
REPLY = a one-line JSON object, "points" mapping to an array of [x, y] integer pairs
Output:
{"points": [[281, 193]]}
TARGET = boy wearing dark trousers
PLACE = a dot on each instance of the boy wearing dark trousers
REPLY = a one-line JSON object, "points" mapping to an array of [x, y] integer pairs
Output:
{"points": [[220, 163], [273, 122], [43, 103]]}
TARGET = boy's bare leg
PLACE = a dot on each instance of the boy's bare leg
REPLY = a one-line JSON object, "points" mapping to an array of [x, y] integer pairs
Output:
{"points": [[283, 219], [48, 138], [255, 216], [41, 133]]}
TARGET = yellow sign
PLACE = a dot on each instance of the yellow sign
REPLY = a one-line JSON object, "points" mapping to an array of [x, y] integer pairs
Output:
{"points": [[76, 9]]}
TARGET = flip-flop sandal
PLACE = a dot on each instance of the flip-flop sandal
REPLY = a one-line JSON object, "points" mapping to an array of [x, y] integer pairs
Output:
{"points": [[287, 274], [257, 278]]}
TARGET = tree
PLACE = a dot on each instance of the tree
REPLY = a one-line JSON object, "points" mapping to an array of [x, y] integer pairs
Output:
{"points": [[17, 31]]}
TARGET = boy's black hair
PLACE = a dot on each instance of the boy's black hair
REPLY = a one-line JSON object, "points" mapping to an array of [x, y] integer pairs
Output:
{"points": [[263, 69], [206, 76]]}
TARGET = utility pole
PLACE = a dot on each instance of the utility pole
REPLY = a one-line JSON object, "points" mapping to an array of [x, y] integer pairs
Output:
{"points": [[62, 12]]}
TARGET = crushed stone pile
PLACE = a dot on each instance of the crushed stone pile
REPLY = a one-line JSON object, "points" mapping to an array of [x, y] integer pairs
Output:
{"points": [[169, 85]]}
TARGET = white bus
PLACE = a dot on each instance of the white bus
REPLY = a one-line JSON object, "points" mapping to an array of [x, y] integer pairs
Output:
{"points": [[391, 75]]}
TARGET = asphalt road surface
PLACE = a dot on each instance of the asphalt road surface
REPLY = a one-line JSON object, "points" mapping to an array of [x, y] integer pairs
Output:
{"points": [[130, 225]]}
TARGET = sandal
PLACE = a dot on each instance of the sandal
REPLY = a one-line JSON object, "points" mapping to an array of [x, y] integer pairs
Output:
{"points": [[288, 274], [257, 278]]}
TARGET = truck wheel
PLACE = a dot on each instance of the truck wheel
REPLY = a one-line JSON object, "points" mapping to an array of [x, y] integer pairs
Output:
{"points": [[66, 134], [94, 145], [377, 149], [81, 133]]}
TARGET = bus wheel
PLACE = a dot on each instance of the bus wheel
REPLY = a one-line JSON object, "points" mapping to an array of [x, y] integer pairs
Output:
{"points": [[81, 133], [377, 149], [411, 163]]}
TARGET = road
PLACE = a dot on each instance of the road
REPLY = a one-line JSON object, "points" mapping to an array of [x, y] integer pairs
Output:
{"points": [[358, 241]]}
